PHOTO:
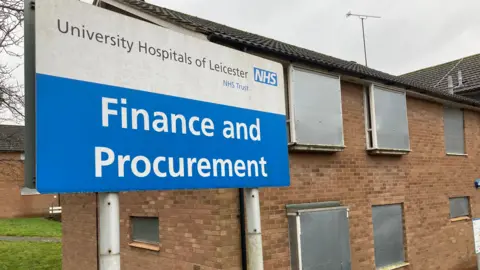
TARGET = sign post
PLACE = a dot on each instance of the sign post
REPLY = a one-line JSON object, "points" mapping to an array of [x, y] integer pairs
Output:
{"points": [[29, 70], [254, 230], [123, 105], [109, 231], [476, 235]]}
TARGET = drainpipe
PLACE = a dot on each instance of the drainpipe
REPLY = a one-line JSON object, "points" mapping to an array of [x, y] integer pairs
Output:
{"points": [[243, 236]]}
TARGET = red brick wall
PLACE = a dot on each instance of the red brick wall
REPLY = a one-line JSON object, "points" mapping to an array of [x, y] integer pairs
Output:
{"points": [[12, 204], [200, 228], [423, 181], [79, 229], [197, 229]]}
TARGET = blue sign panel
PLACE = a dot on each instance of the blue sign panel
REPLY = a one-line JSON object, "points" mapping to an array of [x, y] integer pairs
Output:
{"points": [[94, 137]]}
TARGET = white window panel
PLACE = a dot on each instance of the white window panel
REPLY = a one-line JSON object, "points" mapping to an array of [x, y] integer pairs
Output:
{"points": [[454, 131], [145, 230], [459, 207], [386, 123], [316, 108], [388, 235]]}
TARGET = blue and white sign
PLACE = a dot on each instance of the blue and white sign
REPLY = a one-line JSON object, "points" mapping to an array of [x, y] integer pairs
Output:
{"points": [[124, 105]]}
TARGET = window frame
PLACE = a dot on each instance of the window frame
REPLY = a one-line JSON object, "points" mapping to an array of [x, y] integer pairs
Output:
{"points": [[292, 138], [468, 216], [370, 120], [298, 231], [463, 131], [154, 246]]}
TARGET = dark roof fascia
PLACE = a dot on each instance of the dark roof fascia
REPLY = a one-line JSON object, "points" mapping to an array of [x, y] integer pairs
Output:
{"points": [[251, 47], [468, 90], [12, 150], [434, 93], [242, 46]]}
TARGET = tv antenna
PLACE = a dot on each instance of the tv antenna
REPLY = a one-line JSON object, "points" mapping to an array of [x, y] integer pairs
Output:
{"points": [[363, 18]]}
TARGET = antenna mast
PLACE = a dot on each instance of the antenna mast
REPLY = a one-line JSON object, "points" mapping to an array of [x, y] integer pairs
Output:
{"points": [[363, 18]]}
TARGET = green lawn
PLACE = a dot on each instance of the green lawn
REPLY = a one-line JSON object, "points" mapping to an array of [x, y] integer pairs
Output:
{"points": [[30, 255], [30, 227]]}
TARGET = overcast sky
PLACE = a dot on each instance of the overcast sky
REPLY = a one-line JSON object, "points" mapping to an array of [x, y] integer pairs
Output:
{"points": [[411, 34]]}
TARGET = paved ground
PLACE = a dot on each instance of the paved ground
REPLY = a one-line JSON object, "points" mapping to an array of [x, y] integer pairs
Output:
{"points": [[30, 239]]}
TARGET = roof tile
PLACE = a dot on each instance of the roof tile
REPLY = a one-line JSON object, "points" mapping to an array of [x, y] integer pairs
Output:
{"points": [[436, 76]]}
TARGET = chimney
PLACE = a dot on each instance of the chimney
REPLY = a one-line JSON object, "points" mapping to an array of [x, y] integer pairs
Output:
{"points": [[450, 84], [460, 79]]}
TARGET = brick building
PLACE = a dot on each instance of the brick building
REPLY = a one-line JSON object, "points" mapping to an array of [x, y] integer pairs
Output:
{"points": [[382, 172], [12, 203]]}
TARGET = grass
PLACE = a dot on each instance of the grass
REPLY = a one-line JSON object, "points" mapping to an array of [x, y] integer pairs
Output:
{"points": [[30, 227], [30, 255]]}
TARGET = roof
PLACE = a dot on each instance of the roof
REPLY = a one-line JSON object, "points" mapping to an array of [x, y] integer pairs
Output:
{"points": [[11, 138], [436, 76], [224, 34]]}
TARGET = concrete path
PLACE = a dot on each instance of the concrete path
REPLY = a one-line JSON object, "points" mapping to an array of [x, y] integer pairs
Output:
{"points": [[30, 239]]}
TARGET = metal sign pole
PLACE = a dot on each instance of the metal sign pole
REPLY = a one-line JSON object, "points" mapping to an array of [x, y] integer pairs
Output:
{"points": [[254, 231], [109, 231], [29, 69]]}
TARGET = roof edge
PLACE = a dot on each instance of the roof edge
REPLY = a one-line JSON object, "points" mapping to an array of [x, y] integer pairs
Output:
{"points": [[284, 50], [433, 93], [437, 65]]}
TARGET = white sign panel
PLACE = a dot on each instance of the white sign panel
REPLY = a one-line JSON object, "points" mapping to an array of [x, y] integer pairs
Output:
{"points": [[476, 234], [127, 105]]}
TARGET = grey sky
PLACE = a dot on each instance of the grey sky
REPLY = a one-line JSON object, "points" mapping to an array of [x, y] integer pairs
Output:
{"points": [[411, 34]]}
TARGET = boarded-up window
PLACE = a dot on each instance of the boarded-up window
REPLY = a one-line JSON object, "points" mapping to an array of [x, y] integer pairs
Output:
{"points": [[388, 234], [319, 239], [459, 207], [316, 108], [453, 129], [145, 230], [387, 122]]}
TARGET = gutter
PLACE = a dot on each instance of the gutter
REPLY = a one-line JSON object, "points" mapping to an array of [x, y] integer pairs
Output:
{"points": [[468, 90]]}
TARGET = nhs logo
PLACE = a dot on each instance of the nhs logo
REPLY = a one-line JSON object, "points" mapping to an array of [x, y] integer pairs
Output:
{"points": [[265, 76]]}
